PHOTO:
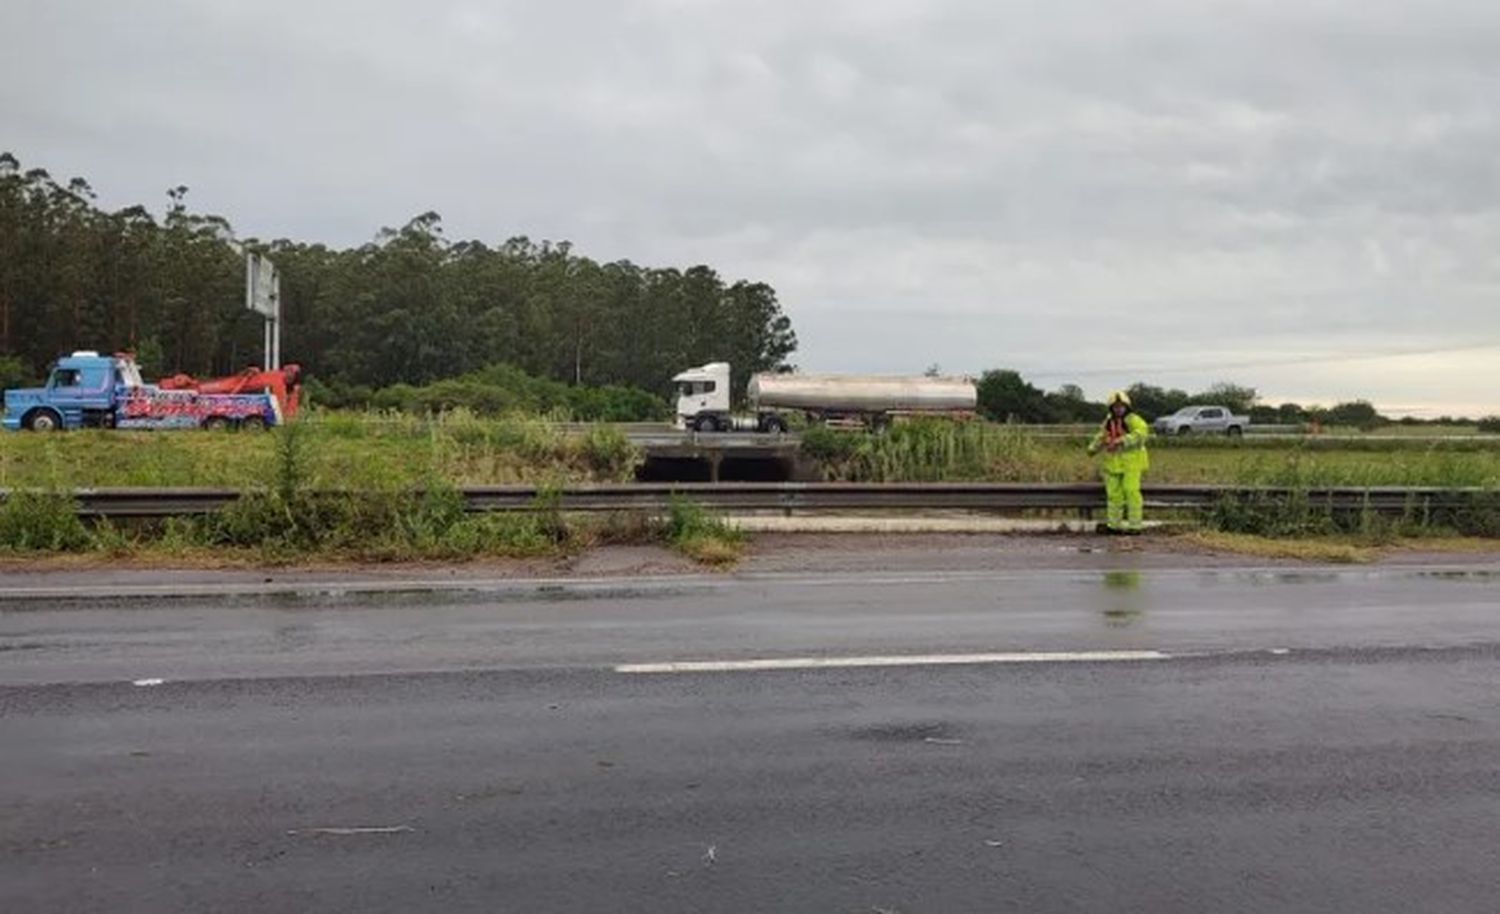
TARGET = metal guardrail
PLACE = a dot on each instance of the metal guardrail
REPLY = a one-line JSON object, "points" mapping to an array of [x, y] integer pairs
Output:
{"points": [[818, 497]]}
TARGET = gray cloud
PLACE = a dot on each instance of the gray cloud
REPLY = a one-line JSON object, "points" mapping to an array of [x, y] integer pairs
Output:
{"points": [[1078, 189]]}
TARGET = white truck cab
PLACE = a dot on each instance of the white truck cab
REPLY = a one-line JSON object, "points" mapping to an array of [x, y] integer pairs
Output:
{"points": [[701, 392], [704, 401]]}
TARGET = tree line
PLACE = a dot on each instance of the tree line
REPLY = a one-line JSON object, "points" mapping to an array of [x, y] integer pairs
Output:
{"points": [[410, 307], [1005, 396]]}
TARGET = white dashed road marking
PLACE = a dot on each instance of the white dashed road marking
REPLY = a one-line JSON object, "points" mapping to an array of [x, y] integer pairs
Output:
{"points": [[826, 663]]}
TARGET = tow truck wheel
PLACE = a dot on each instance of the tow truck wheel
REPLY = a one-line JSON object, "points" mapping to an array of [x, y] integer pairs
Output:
{"points": [[253, 424], [216, 423], [42, 421]]}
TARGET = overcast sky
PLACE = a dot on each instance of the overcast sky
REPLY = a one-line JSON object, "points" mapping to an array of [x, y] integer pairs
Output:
{"points": [[1178, 190]]}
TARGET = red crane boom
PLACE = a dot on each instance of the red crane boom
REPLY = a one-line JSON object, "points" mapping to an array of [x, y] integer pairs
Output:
{"points": [[285, 384]]}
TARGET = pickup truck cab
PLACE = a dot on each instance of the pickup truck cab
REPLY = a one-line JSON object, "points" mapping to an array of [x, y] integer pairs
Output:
{"points": [[89, 390], [1202, 420]]}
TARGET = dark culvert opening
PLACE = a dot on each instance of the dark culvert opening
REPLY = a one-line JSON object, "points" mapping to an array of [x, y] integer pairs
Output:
{"points": [[731, 469]]}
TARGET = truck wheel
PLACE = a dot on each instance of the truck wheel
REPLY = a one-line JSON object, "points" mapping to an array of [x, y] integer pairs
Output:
{"points": [[706, 424], [216, 423], [1235, 431], [1184, 430], [775, 425], [43, 421], [253, 424]]}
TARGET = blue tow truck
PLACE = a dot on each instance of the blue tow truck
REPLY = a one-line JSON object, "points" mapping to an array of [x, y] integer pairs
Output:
{"points": [[89, 390]]}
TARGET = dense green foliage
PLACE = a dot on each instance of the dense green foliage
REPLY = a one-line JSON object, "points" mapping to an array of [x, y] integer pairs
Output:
{"points": [[500, 390], [410, 307], [1006, 396], [13, 372]]}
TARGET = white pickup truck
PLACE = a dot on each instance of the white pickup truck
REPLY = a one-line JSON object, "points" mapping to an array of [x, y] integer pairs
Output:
{"points": [[1202, 420]]}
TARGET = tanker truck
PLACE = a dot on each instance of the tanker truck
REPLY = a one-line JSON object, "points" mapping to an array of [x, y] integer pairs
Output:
{"points": [[703, 403]]}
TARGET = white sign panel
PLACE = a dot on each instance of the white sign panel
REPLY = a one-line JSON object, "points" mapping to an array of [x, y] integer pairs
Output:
{"points": [[262, 286]]}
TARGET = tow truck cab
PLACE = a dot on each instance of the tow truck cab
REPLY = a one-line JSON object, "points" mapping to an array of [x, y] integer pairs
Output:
{"points": [[82, 391]]}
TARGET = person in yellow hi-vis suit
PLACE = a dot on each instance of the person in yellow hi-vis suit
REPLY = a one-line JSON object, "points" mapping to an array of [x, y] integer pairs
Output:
{"points": [[1122, 438]]}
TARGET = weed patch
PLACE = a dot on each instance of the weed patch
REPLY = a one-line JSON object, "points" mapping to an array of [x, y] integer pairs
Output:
{"points": [[35, 521], [701, 535], [935, 451], [1298, 513], [1327, 550]]}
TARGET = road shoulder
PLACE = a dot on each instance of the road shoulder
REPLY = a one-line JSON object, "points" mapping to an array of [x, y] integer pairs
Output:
{"points": [[770, 553]]}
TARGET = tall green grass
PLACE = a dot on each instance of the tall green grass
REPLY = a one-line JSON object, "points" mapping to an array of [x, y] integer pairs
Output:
{"points": [[41, 521], [1313, 469], [280, 518], [946, 451], [938, 451], [344, 450], [284, 515], [1302, 514]]}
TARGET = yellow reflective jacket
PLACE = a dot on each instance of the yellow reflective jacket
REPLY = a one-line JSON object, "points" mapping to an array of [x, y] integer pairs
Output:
{"points": [[1132, 452]]}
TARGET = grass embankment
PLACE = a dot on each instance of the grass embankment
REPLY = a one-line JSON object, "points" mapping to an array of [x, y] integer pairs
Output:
{"points": [[392, 450], [928, 452], [976, 452], [405, 471], [342, 450], [388, 510]]}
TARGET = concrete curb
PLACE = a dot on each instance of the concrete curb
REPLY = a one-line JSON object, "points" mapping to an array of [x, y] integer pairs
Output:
{"points": [[823, 524]]}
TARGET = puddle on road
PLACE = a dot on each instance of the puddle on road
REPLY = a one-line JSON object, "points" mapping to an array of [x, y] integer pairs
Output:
{"points": [[1270, 578], [906, 732], [1127, 604], [316, 597], [1476, 576], [1122, 618], [1306, 578]]}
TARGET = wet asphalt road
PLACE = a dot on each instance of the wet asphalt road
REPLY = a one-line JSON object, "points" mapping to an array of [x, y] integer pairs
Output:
{"points": [[1318, 740]]}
